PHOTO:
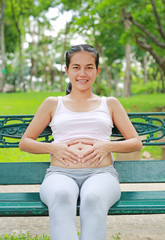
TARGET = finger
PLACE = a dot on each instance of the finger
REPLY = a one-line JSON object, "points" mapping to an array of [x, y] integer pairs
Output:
{"points": [[87, 142], [99, 161], [71, 158], [93, 160], [72, 142], [72, 153], [84, 155], [65, 163], [89, 157]]}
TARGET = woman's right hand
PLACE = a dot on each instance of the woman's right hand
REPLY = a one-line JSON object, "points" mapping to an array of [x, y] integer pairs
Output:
{"points": [[63, 153]]}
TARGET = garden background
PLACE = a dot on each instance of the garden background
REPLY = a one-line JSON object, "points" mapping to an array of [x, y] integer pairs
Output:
{"points": [[129, 35], [35, 34]]}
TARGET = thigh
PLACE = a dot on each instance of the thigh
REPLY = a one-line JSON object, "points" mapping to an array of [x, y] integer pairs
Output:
{"points": [[103, 187], [58, 184]]}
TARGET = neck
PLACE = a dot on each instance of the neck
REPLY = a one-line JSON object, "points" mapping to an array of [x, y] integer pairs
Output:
{"points": [[81, 94]]}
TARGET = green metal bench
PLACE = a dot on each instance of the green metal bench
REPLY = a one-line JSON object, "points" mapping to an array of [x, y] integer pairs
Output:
{"points": [[151, 126]]}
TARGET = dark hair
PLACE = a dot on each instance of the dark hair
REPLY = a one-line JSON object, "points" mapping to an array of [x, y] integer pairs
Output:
{"points": [[80, 48]]}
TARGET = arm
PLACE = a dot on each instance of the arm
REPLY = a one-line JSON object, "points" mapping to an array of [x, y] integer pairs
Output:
{"points": [[41, 119], [120, 118]]}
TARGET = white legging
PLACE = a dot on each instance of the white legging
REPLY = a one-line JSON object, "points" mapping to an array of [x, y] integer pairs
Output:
{"points": [[97, 194]]}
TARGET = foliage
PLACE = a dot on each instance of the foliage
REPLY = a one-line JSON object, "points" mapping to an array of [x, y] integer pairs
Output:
{"points": [[37, 237], [100, 23], [117, 237], [148, 88], [23, 236]]}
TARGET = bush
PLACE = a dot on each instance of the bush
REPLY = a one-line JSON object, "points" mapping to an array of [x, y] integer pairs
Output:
{"points": [[148, 88]]}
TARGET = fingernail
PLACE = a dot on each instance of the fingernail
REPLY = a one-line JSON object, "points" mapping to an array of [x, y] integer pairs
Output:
{"points": [[75, 162], [83, 160], [79, 160]]}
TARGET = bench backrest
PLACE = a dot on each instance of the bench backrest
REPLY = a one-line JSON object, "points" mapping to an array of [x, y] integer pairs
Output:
{"points": [[150, 126]]}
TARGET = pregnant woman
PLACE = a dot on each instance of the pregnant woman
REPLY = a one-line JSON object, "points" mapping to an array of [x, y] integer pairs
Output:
{"points": [[81, 153]]}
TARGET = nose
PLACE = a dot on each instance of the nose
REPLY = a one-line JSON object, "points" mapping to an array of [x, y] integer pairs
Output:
{"points": [[82, 72]]}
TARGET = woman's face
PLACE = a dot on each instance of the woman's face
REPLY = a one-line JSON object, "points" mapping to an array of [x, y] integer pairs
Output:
{"points": [[82, 70]]}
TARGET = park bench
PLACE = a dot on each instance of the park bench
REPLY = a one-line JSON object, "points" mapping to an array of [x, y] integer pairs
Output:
{"points": [[150, 126]]}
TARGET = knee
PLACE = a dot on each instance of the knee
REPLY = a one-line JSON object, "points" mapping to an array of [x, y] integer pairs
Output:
{"points": [[56, 196], [91, 201], [62, 196]]}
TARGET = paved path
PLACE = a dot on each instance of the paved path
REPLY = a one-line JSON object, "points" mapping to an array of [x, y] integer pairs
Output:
{"points": [[131, 227]]}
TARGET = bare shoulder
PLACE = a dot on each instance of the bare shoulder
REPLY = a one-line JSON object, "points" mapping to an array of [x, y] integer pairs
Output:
{"points": [[50, 102], [49, 105], [53, 100], [115, 108], [113, 102]]}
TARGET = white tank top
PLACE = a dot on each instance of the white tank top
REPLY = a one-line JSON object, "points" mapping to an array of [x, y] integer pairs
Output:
{"points": [[67, 125]]}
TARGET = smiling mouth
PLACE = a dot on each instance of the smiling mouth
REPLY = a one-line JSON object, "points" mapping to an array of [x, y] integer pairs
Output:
{"points": [[82, 81]]}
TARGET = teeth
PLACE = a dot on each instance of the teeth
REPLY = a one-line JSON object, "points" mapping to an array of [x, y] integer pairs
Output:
{"points": [[82, 81]]}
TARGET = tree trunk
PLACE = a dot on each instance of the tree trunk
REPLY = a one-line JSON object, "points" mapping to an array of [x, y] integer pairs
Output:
{"points": [[32, 72], [145, 69], [127, 80], [45, 66], [162, 80], [16, 21], [33, 31], [52, 74], [2, 68], [98, 91], [21, 61], [67, 26]]}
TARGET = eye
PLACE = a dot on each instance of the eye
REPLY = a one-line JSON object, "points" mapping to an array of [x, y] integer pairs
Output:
{"points": [[89, 68], [75, 67]]}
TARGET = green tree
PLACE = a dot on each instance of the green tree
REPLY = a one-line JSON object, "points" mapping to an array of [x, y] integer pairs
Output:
{"points": [[148, 28], [3, 65], [20, 11]]}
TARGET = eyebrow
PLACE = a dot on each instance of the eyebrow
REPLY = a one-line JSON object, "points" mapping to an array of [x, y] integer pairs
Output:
{"points": [[75, 64]]}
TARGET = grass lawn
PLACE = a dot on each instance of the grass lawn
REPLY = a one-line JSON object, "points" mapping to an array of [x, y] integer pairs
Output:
{"points": [[28, 103]]}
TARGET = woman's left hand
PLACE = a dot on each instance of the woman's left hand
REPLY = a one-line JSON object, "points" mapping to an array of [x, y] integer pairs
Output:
{"points": [[97, 153]]}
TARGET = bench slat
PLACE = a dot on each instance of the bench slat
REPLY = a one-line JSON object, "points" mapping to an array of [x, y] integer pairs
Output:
{"points": [[23, 172], [152, 171], [142, 202], [146, 171]]}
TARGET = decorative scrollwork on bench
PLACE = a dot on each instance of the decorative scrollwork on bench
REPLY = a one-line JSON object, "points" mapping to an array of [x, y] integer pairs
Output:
{"points": [[150, 126], [13, 127]]}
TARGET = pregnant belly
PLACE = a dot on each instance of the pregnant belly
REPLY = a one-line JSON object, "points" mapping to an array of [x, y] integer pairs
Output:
{"points": [[80, 149]]}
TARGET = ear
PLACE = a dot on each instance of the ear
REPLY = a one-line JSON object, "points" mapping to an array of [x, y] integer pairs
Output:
{"points": [[98, 70], [66, 70]]}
